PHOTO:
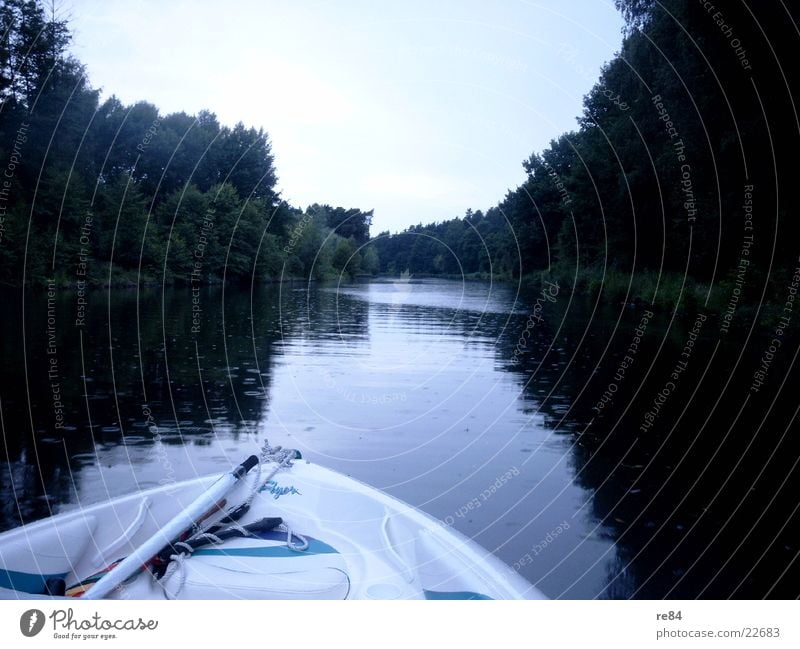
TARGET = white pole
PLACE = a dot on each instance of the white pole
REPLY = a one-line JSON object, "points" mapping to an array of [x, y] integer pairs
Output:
{"points": [[169, 532]]}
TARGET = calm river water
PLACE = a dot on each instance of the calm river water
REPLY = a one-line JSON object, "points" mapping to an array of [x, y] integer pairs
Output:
{"points": [[480, 405]]}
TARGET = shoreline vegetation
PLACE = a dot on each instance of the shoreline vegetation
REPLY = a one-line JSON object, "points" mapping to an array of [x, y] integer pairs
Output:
{"points": [[646, 182], [640, 290]]}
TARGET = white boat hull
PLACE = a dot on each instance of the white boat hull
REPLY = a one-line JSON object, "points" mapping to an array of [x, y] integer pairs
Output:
{"points": [[362, 544]]}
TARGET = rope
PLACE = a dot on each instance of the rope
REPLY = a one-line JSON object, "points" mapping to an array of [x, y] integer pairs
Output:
{"points": [[175, 564], [300, 547], [177, 560], [282, 458]]}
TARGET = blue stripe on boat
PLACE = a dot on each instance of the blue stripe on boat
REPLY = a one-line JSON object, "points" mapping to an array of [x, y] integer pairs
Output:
{"points": [[314, 547], [460, 594], [26, 582]]}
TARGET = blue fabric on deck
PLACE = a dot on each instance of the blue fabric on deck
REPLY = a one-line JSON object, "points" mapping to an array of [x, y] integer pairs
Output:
{"points": [[460, 594], [26, 582]]}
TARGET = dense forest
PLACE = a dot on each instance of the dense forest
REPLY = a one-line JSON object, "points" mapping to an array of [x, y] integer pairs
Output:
{"points": [[680, 167], [103, 192], [677, 170]]}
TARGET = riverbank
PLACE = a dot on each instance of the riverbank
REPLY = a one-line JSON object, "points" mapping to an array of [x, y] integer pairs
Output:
{"points": [[130, 279], [665, 292], [729, 298]]}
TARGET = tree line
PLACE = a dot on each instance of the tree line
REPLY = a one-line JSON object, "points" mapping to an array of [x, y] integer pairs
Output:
{"points": [[675, 179], [99, 191], [680, 166]]}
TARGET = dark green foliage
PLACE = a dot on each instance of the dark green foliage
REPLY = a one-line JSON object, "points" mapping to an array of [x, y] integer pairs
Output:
{"points": [[104, 192], [350, 224], [474, 244], [182, 197], [625, 194]]}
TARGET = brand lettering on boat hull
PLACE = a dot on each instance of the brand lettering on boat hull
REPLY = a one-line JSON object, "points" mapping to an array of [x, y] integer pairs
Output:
{"points": [[277, 490]]}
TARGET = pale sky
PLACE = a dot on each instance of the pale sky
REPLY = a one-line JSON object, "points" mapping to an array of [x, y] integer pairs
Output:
{"points": [[418, 109]]}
